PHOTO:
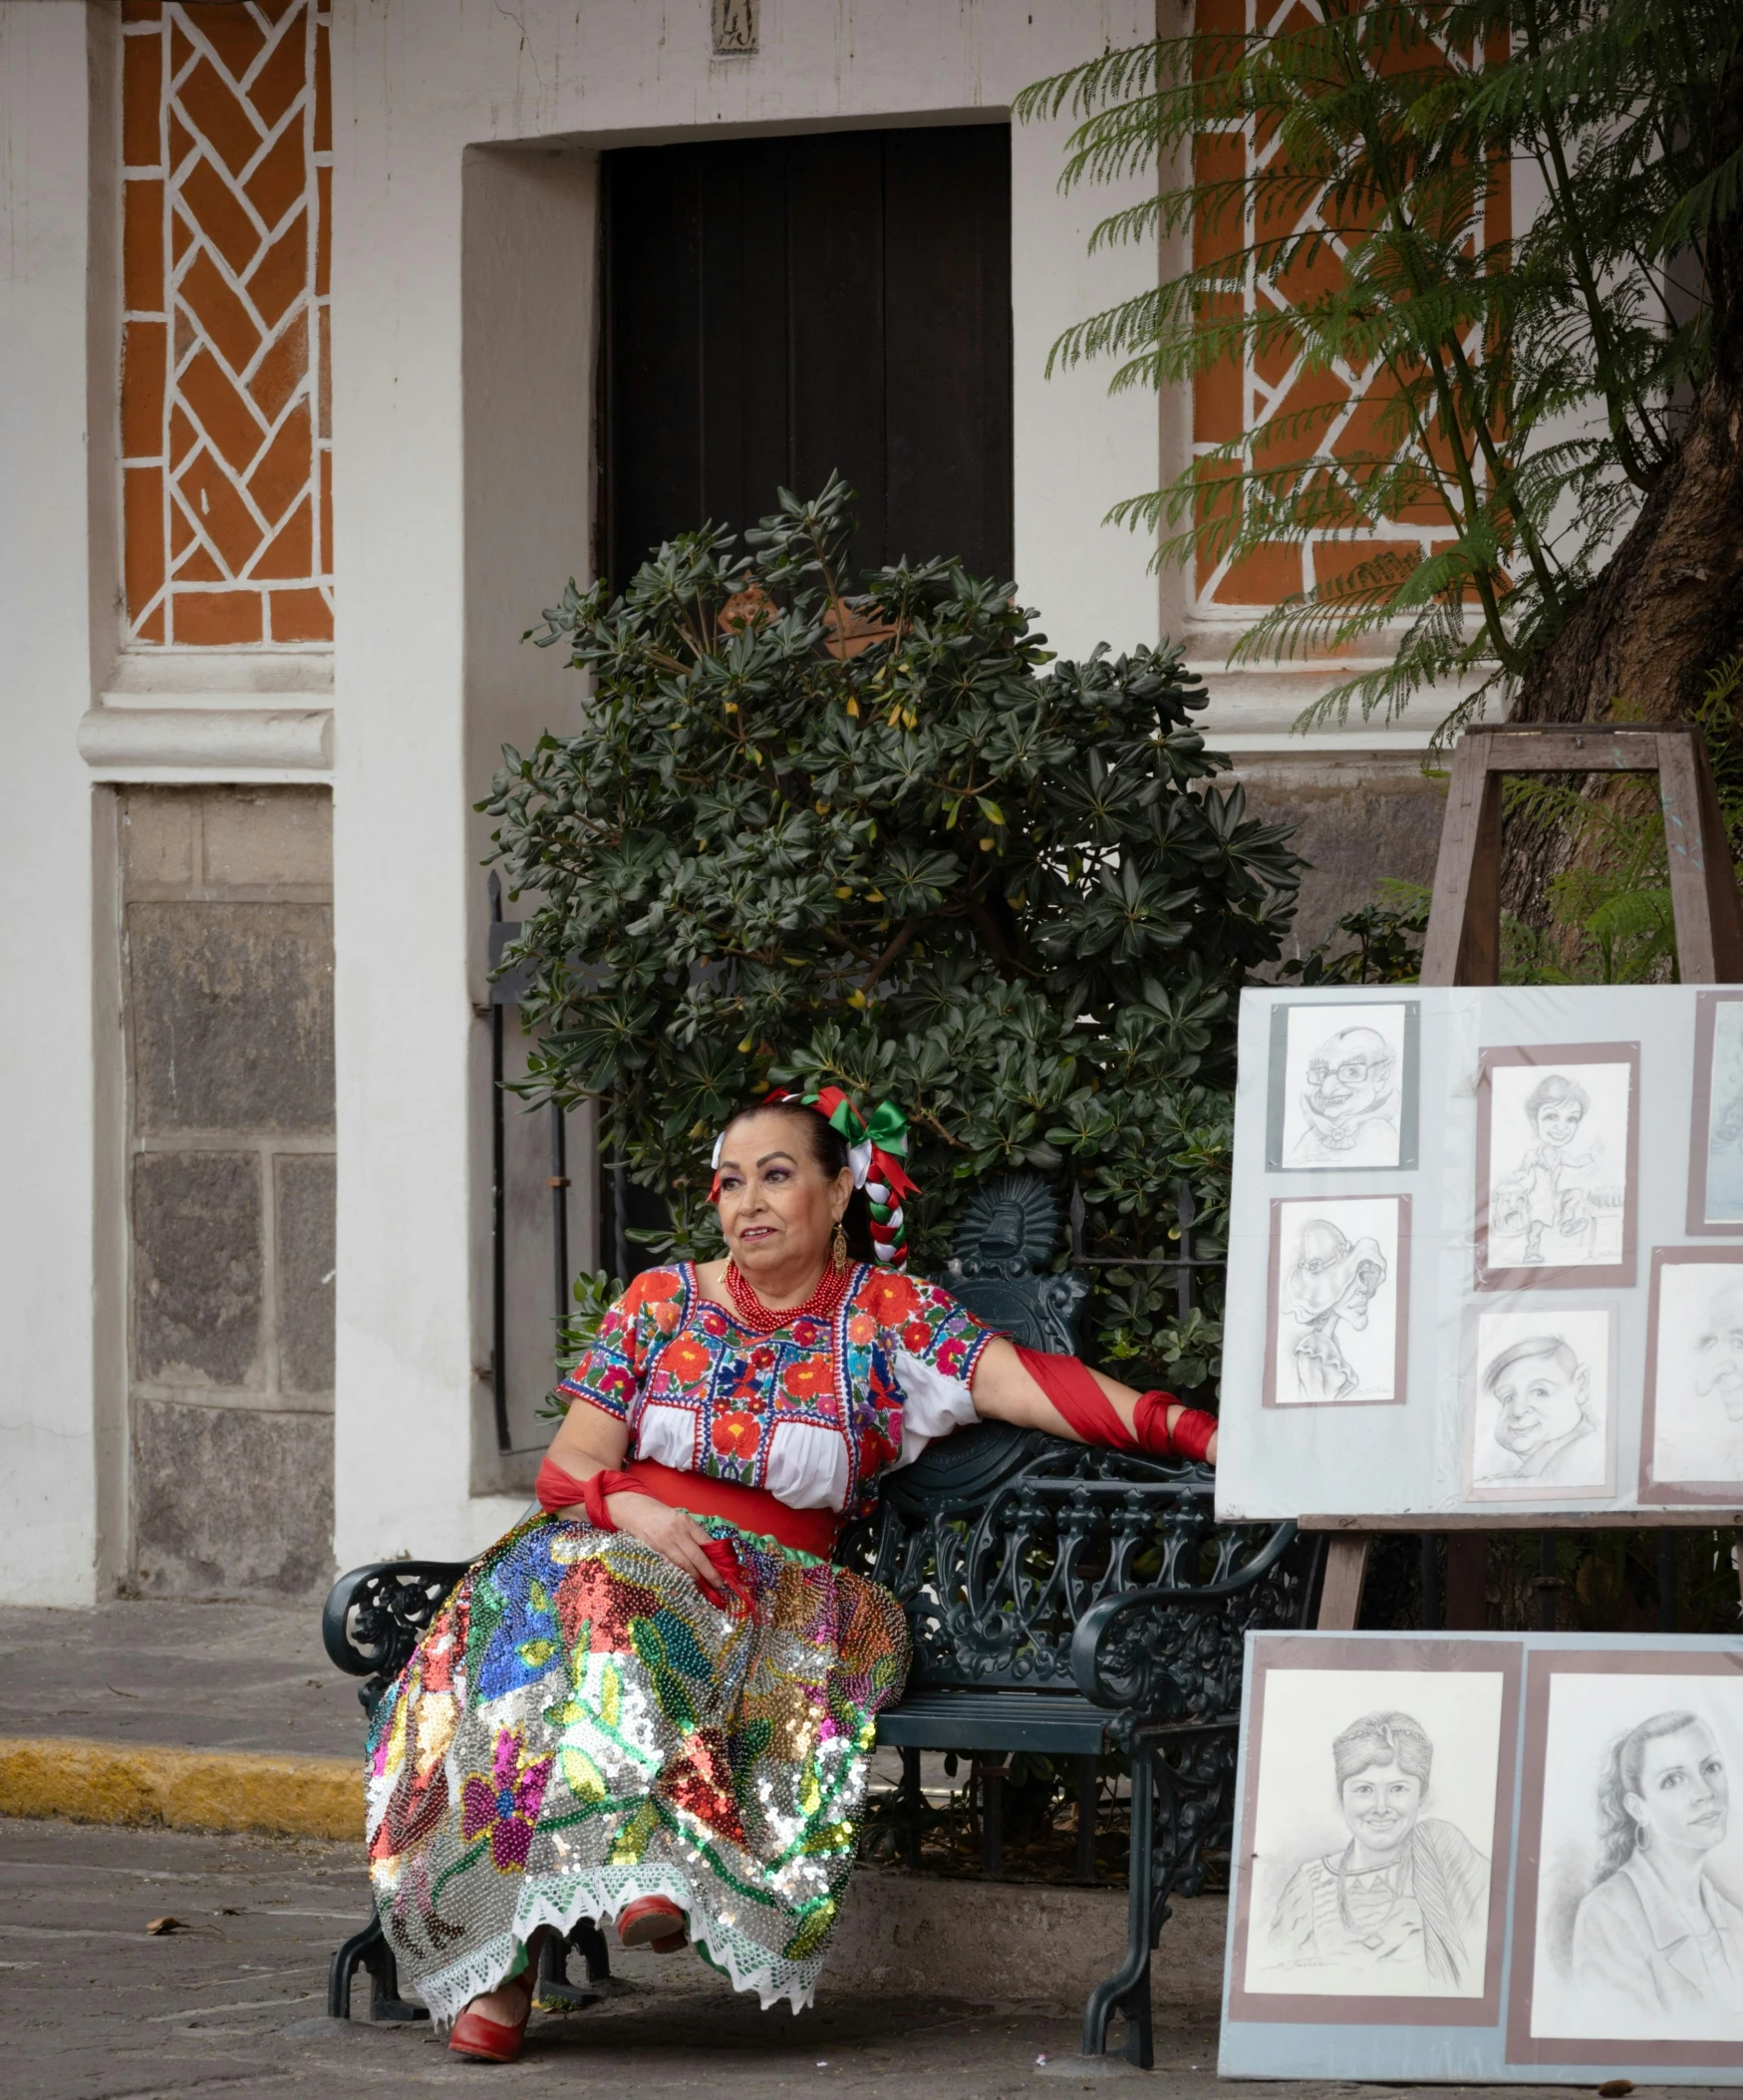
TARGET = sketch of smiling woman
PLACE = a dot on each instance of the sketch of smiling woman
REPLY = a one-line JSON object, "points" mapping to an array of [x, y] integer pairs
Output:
{"points": [[1655, 1934], [1332, 1280], [1402, 1908]]}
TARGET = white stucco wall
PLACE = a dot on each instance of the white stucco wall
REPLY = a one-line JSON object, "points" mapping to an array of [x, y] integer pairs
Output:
{"points": [[419, 514], [49, 574]]}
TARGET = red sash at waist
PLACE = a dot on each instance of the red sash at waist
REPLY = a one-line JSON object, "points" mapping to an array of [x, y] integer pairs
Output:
{"points": [[750, 1508]]}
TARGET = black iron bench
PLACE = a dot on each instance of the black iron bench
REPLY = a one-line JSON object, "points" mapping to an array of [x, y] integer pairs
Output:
{"points": [[1061, 1601]]}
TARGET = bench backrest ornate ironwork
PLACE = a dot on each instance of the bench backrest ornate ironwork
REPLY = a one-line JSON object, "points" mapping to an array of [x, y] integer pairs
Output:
{"points": [[1002, 1542]]}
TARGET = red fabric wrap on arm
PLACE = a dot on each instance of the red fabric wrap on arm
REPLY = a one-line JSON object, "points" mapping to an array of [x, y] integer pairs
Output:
{"points": [[1150, 1419], [1193, 1431], [1071, 1388], [1189, 1438], [557, 1490]]}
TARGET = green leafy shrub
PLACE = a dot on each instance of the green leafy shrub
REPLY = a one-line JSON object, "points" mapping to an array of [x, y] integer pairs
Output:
{"points": [[883, 839], [1385, 942]]}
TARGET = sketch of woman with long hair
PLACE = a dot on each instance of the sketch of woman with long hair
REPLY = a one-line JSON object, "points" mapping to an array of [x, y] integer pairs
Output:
{"points": [[1655, 1934], [1402, 1907]]}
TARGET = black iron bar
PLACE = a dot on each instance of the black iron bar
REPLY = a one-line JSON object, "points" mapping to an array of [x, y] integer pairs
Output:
{"points": [[1431, 1581], [559, 1179], [1548, 1582], [1667, 1582], [620, 1237], [991, 1771], [1088, 1786], [498, 1210]]}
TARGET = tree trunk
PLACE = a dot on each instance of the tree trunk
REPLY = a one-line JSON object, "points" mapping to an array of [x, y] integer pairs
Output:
{"points": [[1669, 606]]}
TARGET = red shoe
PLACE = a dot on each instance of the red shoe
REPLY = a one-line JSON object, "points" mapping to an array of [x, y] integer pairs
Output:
{"points": [[652, 1921], [487, 2041]]}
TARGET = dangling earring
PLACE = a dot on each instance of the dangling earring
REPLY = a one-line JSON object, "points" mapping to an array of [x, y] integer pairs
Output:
{"points": [[1640, 1836], [838, 1253]]}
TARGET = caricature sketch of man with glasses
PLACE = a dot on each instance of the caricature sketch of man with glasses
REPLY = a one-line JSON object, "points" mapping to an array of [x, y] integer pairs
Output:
{"points": [[1349, 1103]]}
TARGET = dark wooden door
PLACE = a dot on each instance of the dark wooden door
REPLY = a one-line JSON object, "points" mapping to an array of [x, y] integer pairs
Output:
{"points": [[778, 308]]}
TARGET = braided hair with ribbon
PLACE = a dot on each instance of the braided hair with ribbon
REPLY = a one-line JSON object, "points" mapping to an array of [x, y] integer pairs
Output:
{"points": [[876, 1150]]}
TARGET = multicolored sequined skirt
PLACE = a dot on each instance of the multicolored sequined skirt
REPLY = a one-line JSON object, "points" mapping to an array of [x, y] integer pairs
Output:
{"points": [[579, 1727]]}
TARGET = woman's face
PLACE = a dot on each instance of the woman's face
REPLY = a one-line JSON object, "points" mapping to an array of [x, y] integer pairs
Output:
{"points": [[1381, 1805], [777, 1208], [1557, 1121], [1684, 1797]]}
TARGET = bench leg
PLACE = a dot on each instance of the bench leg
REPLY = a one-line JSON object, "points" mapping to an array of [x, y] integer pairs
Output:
{"points": [[991, 1771], [1088, 1783], [1127, 1990], [368, 1950], [554, 1987], [590, 1944], [914, 1804]]}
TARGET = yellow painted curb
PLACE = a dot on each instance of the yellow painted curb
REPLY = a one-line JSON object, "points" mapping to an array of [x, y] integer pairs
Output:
{"points": [[97, 1782]]}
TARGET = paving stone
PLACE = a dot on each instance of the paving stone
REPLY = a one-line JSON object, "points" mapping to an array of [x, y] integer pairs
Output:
{"points": [[94, 2007], [199, 1269], [231, 1501], [195, 1676], [232, 1016], [305, 1186]]}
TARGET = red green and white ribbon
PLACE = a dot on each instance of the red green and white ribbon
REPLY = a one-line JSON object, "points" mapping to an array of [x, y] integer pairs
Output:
{"points": [[875, 1153]]}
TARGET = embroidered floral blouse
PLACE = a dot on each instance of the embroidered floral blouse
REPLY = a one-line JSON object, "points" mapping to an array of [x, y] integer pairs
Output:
{"points": [[813, 1412]]}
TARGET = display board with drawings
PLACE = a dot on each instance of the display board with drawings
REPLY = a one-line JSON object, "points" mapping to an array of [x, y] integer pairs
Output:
{"points": [[1485, 1253], [1487, 1856]]}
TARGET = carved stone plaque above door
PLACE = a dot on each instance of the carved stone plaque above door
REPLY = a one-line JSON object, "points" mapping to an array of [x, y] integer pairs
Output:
{"points": [[736, 26]]}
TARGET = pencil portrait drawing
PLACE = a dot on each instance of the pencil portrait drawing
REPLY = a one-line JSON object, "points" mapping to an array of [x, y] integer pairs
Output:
{"points": [[1640, 1924], [1339, 1098], [1336, 1316], [1541, 1407], [1696, 1370], [1719, 1097], [1656, 1933], [1556, 1160], [1400, 1908]]}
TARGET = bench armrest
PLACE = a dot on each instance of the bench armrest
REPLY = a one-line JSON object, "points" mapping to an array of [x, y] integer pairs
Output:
{"points": [[372, 1616], [1175, 1653]]}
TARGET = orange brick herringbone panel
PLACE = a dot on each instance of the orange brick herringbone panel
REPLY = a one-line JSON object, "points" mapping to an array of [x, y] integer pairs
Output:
{"points": [[225, 128]]}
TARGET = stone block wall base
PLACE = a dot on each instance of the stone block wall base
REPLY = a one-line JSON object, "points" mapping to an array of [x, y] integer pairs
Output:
{"points": [[1010, 1942], [221, 1790]]}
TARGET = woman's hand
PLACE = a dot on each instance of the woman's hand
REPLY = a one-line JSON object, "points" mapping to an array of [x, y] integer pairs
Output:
{"points": [[673, 1534], [588, 1442]]}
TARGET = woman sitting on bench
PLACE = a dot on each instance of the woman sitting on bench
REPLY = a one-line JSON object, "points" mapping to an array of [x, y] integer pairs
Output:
{"points": [[655, 1702]]}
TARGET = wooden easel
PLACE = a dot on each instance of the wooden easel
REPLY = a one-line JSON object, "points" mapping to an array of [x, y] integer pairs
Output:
{"points": [[1462, 947]]}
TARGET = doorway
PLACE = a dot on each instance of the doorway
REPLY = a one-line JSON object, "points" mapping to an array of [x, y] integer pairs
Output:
{"points": [[779, 308]]}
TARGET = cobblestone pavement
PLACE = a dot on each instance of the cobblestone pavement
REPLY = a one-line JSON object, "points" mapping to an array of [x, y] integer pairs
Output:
{"points": [[233, 2004], [197, 1676]]}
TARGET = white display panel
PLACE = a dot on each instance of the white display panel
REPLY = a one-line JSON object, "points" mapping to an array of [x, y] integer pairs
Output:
{"points": [[1475, 1259]]}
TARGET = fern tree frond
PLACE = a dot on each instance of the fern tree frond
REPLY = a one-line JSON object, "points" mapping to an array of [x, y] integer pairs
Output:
{"points": [[1514, 390]]}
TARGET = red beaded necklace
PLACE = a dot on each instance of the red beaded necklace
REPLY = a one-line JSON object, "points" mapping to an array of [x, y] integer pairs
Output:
{"points": [[822, 1304]]}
